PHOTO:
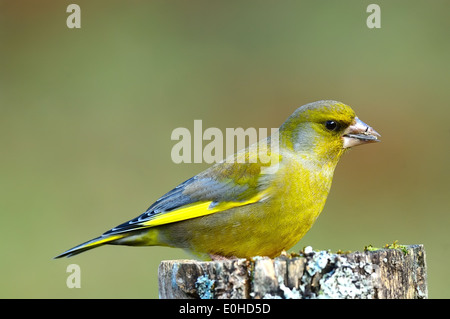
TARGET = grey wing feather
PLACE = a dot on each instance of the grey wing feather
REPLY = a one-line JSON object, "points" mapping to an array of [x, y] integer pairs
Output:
{"points": [[202, 187], [169, 201]]}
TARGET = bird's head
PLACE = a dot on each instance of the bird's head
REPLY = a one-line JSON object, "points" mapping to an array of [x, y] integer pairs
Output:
{"points": [[323, 130]]}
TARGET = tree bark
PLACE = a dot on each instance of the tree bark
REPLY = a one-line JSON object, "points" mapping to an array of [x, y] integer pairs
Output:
{"points": [[375, 274]]}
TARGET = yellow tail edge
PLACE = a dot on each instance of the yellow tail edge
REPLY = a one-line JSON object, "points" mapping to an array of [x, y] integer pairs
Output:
{"points": [[96, 242]]}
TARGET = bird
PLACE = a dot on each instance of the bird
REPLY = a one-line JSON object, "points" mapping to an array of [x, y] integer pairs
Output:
{"points": [[248, 205]]}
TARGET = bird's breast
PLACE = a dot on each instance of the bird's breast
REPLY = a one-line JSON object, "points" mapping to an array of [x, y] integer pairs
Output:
{"points": [[299, 192]]}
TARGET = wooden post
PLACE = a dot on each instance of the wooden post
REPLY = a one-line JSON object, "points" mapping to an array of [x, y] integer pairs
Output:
{"points": [[398, 272]]}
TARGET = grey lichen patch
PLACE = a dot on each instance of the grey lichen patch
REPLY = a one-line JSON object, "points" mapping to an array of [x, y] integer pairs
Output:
{"points": [[289, 293], [317, 261], [205, 287], [312, 275], [344, 281], [331, 275]]}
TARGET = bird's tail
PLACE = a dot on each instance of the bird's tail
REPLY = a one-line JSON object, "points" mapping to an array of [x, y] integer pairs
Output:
{"points": [[104, 239]]}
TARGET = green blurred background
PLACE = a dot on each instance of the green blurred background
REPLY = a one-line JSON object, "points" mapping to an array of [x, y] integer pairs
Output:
{"points": [[87, 115]]}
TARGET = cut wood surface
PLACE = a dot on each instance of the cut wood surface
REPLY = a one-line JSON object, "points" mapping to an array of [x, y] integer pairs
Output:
{"points": [[375, 274]]}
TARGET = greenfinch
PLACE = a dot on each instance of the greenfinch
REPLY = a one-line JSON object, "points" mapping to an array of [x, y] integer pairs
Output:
{"points": [[245, 208]]}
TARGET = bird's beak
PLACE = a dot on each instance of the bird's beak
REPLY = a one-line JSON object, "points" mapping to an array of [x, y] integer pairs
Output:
{"points": [[359, 133]]}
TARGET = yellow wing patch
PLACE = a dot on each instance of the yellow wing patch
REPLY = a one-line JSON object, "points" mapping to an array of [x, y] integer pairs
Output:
{"points": [[197, 210], [103, 240]]}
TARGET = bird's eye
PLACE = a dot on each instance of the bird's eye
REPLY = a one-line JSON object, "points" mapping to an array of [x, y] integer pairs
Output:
{"points": [[332, 125]]}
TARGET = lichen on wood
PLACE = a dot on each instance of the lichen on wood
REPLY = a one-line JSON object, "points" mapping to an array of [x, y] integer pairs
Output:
{"points": [[370, 274]]}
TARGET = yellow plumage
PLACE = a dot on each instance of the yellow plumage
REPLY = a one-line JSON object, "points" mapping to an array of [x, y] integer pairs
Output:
{"points": [[246, 206]]}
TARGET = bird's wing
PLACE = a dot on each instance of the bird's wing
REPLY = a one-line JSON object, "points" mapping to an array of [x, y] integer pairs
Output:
{"points": [[221, 187]]}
